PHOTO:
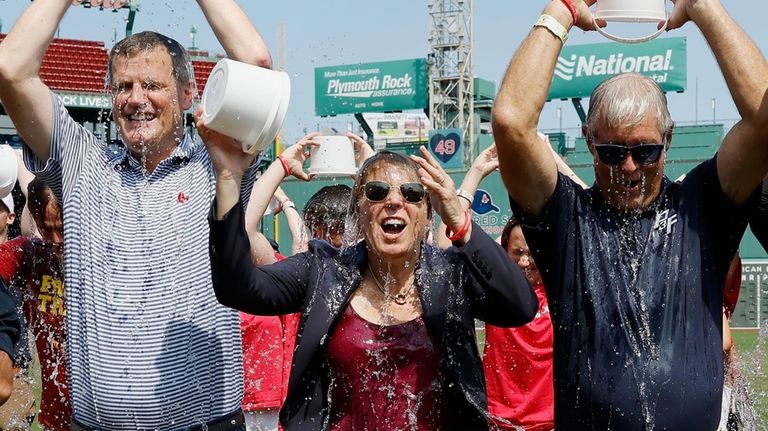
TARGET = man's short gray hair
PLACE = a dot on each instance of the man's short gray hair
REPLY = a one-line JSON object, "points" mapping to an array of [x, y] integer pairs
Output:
{"points": [[147, 41], [624, 101]]}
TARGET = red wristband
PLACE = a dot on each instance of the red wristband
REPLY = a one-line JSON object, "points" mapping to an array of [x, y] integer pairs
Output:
{"points": [[571, 7], [286, 168], [461, 232]]}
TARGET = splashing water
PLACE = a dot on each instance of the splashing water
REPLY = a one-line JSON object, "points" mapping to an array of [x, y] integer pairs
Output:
{"points": [[744, 371]]}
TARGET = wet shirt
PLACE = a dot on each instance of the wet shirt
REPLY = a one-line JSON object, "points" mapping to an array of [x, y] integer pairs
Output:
{"points": [[384, 377], [35, 268], [518, 372], [636, 303], [262, 361], [154, 348], [758, 220]]}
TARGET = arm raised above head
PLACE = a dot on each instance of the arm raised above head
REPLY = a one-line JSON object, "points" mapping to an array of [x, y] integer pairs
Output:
{"points": [[236, 32], [527, 167], [23, 94], [742, 160]]}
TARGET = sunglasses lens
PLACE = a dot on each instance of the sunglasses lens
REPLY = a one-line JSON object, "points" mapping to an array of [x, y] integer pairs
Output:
{"points": [[611, 154], [412, 192], [376, 191], [647, 154]]}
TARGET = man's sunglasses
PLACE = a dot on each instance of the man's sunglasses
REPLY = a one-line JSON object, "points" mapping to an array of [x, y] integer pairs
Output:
{"points": [[377, 191], [614, 154]]}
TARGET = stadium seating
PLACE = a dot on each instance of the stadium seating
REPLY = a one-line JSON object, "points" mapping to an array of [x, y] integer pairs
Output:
{"points": [[80, 66]]}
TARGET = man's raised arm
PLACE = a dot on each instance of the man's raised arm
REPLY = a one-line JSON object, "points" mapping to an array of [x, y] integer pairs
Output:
{"points": [[742, 161], [24, 95], [526, 164], [235, 32]]}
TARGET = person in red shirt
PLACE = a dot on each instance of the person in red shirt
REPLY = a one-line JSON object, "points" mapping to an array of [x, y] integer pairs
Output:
{"points": [[518, 361], [34, 266]]}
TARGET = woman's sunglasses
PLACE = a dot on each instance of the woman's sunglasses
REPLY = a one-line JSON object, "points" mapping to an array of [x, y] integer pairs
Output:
{"points": [[377, 191], [614, 154]]}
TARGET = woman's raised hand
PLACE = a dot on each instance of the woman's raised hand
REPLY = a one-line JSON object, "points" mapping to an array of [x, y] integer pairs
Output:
{"points": [[295, 155], [442, 190]]}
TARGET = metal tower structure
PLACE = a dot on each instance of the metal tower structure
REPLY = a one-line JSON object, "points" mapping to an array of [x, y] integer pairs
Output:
{"points": [[131, 5], [451, 70]]}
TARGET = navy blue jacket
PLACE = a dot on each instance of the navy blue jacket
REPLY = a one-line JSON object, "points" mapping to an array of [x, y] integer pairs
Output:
{"points": [[9, 322], [455, 286]]}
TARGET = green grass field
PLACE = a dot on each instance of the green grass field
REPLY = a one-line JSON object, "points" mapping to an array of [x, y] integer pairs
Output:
{"points": [[753, 357]]}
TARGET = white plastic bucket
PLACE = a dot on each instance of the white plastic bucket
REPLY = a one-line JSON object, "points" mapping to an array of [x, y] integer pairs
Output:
{"points": [[635, 11], [335, 156], [9, 169], [246, 102]]}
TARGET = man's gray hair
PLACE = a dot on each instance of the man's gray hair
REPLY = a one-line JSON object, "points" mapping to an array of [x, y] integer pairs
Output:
{"points": [[147, 41], [624, 101]]}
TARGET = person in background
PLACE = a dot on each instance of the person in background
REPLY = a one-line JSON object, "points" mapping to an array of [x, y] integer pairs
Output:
{"points": [[7, 214], [33, 267], [18, 412], [9, 335], [517, 361], [154, 349]]}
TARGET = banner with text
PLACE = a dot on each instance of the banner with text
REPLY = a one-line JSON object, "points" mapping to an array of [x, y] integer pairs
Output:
{"points": [[581, 68], [371, 87], [398, 127], [95, 101]]}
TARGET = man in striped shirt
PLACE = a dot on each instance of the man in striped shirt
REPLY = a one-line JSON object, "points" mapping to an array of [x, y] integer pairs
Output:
{"points": [[149, 346]]}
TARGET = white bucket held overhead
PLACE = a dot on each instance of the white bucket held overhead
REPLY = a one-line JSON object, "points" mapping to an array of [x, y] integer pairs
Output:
{"points": [[335, 156], [9, 169], [246, 102], [635, 11]]}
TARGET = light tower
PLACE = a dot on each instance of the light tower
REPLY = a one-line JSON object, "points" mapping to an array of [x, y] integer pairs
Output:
{"points": [[451, 70]]}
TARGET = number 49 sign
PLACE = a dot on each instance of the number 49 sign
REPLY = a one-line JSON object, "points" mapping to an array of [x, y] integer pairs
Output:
{"points": [[445, 145]]}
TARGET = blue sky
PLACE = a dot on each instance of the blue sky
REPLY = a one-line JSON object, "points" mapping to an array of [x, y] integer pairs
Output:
{"points": [[332, 32]]}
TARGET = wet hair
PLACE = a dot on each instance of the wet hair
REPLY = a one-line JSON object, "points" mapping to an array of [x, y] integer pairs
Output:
{"points": [[39, 195], [507, 231], [326, 210], [624, 100], [147, 41], [382, 159]]}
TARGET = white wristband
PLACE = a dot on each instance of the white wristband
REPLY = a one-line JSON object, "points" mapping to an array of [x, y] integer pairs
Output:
{"points": [[550, 23], [464, 194]]}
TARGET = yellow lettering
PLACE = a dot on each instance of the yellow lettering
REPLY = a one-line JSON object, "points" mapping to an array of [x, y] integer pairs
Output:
{"points": [[57, 307], [59, 286], [45, 287], [44, 299]]}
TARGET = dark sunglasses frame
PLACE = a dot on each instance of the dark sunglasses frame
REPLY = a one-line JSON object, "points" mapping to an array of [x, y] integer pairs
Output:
{"points": [[614, 154], [377, 191]]}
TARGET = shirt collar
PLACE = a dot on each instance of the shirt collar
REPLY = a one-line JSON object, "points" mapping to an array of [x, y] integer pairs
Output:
{"points": [[183, 152]]}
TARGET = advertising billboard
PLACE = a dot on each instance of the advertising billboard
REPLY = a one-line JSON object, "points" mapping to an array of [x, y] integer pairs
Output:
{"points": [[581, 68], [398, 127], [371, 87]]}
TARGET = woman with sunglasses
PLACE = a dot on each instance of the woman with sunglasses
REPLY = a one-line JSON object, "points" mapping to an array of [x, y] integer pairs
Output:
{"points": [[387, 338]]}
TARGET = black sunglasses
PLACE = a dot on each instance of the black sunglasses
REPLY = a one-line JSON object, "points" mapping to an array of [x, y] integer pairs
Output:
{"points": [[377, 191], [614, 154]]}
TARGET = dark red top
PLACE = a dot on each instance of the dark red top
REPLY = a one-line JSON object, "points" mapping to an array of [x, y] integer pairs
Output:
{"points": [[36, 268], [384, 377]]}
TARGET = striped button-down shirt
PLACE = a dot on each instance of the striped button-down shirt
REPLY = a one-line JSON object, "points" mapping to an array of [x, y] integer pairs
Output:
{"points": [[149, 345]]}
